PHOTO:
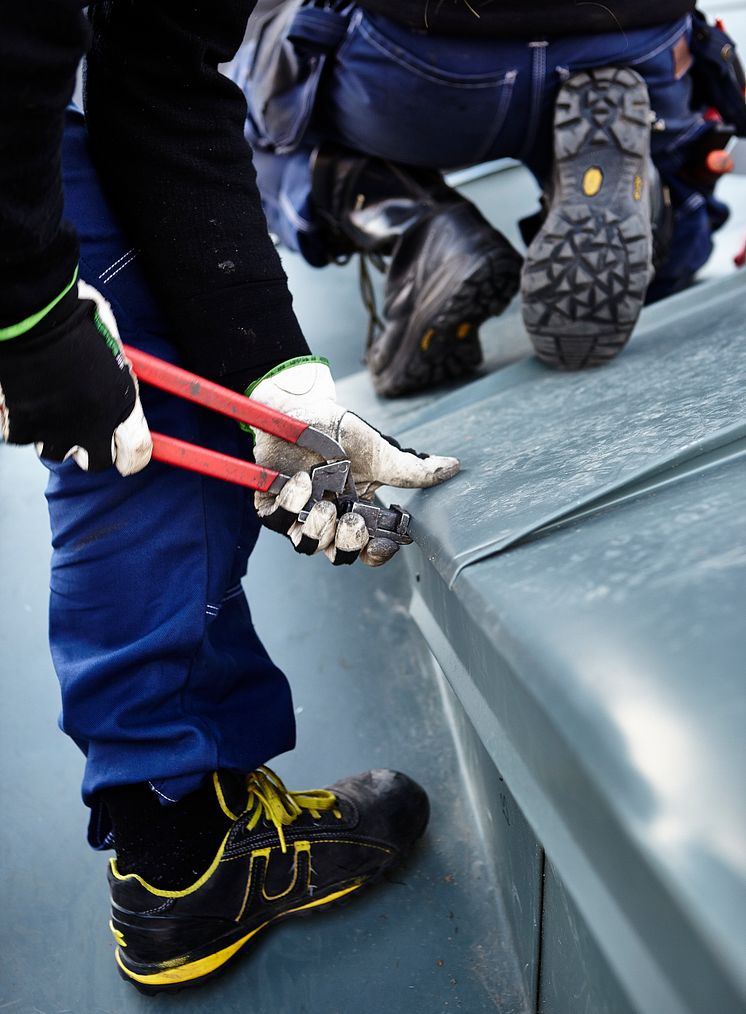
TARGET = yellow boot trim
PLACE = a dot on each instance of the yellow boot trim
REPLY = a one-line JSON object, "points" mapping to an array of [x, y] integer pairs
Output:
{"points": [[159, 892], [204, 966]]}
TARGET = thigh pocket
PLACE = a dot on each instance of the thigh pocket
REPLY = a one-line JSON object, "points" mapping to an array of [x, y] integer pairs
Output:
{"points": [[414, 98]]}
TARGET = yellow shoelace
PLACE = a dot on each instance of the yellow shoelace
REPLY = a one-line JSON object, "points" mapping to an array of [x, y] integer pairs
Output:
{"points": [[269, 799]]}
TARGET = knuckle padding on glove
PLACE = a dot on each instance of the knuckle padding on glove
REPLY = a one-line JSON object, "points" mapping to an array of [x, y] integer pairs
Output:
{"points": [[280, 520], [306, 545], [343, 558]]}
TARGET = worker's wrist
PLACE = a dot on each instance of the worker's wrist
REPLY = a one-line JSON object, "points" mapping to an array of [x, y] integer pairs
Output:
{"points": [[54, 313], [281, 367]]}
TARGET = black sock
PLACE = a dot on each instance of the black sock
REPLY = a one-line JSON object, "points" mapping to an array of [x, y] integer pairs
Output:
{"points": [[169, 846]]}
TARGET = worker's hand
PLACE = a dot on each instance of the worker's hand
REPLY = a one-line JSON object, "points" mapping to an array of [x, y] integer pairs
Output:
{"points": [[304, 389], [66, 387]]}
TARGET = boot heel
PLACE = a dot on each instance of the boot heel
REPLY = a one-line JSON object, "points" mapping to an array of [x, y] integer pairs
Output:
{"points": [[588, 269]]}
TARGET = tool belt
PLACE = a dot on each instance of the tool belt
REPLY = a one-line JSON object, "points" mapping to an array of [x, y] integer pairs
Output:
{"points": [[717, 74]]}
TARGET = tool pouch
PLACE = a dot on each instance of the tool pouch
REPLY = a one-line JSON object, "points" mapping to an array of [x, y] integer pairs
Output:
{"points": [[281, 64], [717, 73]]}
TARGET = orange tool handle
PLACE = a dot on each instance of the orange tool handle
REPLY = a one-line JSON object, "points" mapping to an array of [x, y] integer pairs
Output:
{"points": [[213, 463], [175, 380]]}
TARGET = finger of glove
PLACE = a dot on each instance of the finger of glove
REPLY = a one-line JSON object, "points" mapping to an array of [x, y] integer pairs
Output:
{"points": [[96, 458], [317, 531], [4, 418], [378, 460], [280, 512], [350, 539], [133, 446], [378, 551]]}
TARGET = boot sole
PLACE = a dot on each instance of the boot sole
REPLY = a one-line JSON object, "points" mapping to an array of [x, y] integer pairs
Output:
{"points": [[176, 975], [153, 979], [446, 346], [587, 270]]}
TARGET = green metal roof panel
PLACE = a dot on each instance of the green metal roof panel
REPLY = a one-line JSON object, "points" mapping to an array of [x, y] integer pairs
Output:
{"points": [[532, 452], [603, 666]]}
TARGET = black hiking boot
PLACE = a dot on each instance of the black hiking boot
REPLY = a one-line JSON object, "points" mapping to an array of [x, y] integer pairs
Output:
{"points": [[588, 269], [285, 853], [447, 270]]}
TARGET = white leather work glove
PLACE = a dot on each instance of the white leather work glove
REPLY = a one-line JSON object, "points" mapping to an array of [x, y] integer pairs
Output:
{"points": [[304, 389], [66, 387]]}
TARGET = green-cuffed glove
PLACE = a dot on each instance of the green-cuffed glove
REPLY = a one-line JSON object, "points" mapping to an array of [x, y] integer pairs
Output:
{"points": [[304, 389], [66, 387]]}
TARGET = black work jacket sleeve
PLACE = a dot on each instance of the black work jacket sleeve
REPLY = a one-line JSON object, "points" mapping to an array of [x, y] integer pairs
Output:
{"points": [[166, 133], [167, 136], [41, 43]]}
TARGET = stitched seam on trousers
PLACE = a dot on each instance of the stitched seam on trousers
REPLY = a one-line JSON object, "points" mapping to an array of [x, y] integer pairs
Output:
{"points": [[681, 139], [162, 794], [117, 261], [192, 716], [538, 76], [445, 82], [506, 95], [120, 268], [666, 44]]}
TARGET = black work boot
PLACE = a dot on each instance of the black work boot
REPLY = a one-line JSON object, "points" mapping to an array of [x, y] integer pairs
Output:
{"points": [[587, 270], [284, 853], [449, 270], [367, 203]]}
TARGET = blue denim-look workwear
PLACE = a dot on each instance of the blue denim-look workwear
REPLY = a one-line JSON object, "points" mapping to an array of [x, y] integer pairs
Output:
{"points": [[163, 677], [445, 103]]}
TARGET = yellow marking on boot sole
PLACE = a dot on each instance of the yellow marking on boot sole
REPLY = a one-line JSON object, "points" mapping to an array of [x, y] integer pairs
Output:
{"points": [[592, 180], [426, 339], [637, 191], [203, 966], [463, 330]]}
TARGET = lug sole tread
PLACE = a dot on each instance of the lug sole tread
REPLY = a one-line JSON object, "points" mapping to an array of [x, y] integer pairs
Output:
{"points": [[587, 270]]}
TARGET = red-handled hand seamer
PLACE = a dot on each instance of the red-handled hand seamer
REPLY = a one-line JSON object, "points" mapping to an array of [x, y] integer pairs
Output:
{"points": [[333, 479]]}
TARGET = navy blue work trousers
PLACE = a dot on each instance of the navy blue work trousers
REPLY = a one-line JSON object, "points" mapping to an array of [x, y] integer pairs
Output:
{"points": [[163, 677], [446, 103]]}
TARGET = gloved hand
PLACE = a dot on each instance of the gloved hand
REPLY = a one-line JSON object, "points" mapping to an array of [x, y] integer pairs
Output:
{"points": [[66, 387], [304, 389]]}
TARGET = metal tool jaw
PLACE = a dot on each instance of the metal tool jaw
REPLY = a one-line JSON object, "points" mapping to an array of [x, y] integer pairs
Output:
{"points": [[334, 478], [334, 481], [390, 523], [331, 480]]}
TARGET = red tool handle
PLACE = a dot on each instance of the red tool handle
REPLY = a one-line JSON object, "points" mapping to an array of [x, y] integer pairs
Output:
{"points": [[173, 379], [220, 466]]}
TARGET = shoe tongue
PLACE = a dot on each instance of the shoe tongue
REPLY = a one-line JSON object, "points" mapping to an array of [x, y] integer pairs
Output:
{"points": [[230, 788]]}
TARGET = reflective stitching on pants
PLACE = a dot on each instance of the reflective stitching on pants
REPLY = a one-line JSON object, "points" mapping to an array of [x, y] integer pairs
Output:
{"points": [[120, 268], [159, 793], [117, 261]]}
